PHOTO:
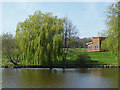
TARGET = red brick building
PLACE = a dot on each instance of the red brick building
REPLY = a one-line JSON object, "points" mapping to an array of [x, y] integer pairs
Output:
{"points": [[95, 45]]}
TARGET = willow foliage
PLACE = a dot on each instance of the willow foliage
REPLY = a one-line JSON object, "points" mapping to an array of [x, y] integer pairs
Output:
{"points": [[112, 21], [40, 39]]}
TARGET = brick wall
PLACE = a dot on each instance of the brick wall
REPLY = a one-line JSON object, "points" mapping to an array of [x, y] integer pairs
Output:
{"points": [[96, 41]]}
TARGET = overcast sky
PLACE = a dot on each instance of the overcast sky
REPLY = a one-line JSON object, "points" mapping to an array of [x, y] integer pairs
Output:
{"points": [[88, 17]]}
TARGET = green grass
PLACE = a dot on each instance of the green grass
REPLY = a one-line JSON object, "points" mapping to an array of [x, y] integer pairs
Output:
{"points": [[103, 57], [100, 57], [74, 52]]}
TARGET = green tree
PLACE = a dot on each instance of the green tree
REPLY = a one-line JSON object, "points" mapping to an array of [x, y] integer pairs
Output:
{"points": [[72, 43], [9, 49], [40, 39], [112, 21], [82, 42]]}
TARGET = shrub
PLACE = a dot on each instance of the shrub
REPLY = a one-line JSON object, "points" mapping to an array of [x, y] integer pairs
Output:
{"points": [[83, 59]]}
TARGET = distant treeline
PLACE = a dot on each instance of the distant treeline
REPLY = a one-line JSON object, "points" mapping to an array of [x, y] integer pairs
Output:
{"points": [[77, 42]]}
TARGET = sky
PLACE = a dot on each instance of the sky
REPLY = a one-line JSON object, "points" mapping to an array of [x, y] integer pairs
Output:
{"points": [[88, 17]]}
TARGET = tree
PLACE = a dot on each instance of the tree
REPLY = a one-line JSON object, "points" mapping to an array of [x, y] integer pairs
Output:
{"points": [[112, 21], [40, 39], [119, 30], [82, 42], [72, 43], [68, 32], [103, 33], [9, 48]]}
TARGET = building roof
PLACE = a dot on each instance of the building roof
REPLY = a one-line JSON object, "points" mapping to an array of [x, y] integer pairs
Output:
{"points": [[92, 41], [89, 43]]}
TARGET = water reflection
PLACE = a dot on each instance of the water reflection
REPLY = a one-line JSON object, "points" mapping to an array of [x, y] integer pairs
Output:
{"points": [[40, 78], [61, 78]]}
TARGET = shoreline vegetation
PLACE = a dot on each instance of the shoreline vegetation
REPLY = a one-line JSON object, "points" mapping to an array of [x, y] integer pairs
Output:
{"points": [[97, 60], [64, 67]]}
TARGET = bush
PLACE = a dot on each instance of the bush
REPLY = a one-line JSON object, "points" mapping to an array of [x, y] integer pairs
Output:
{"points": [[83, 59]]}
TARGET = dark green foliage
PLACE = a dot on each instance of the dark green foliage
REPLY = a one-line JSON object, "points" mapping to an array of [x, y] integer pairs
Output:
{"points": [[8, 44], [72, 43], [9, 48], [83, 59]]}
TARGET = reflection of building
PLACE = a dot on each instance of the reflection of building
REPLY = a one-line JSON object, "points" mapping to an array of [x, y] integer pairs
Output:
{"points": [[95, 45]]}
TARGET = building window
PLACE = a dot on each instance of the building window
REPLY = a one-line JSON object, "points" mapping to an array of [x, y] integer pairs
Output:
{"points": [[96, 47], [90, 47]]}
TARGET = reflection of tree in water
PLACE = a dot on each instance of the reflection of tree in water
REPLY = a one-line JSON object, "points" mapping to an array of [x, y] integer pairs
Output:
{"points": [[42, 78], [111, 73], [83, 70], [10, 76], [45, 78]]}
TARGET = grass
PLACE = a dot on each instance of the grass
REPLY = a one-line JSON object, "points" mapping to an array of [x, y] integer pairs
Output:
{"points": [[103, 57], [74, 52], [100, 57]]}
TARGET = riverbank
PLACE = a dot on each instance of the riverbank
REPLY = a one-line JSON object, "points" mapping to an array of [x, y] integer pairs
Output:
{"points": [[61, 66], [99, 57]]}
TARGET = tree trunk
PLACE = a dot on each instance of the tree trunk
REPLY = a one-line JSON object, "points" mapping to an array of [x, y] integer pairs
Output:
{"points": [[9, 58], [13, 61]]}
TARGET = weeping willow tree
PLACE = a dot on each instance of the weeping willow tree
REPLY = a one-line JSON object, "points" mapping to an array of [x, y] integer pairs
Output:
{"points": [[40, 39], [112, 40]]}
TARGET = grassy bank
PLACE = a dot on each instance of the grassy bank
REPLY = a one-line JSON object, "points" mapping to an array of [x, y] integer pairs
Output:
{"points": [[100, 57], [103, 57]]}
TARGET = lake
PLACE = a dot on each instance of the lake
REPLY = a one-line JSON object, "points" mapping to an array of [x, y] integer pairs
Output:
{"points": [[59, 78]]}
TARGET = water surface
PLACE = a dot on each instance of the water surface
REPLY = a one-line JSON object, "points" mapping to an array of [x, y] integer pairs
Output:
{"points": [[59, 78]]}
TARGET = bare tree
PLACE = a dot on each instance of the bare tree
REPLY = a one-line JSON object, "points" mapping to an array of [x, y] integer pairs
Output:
{"points": [[69, 31]]}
